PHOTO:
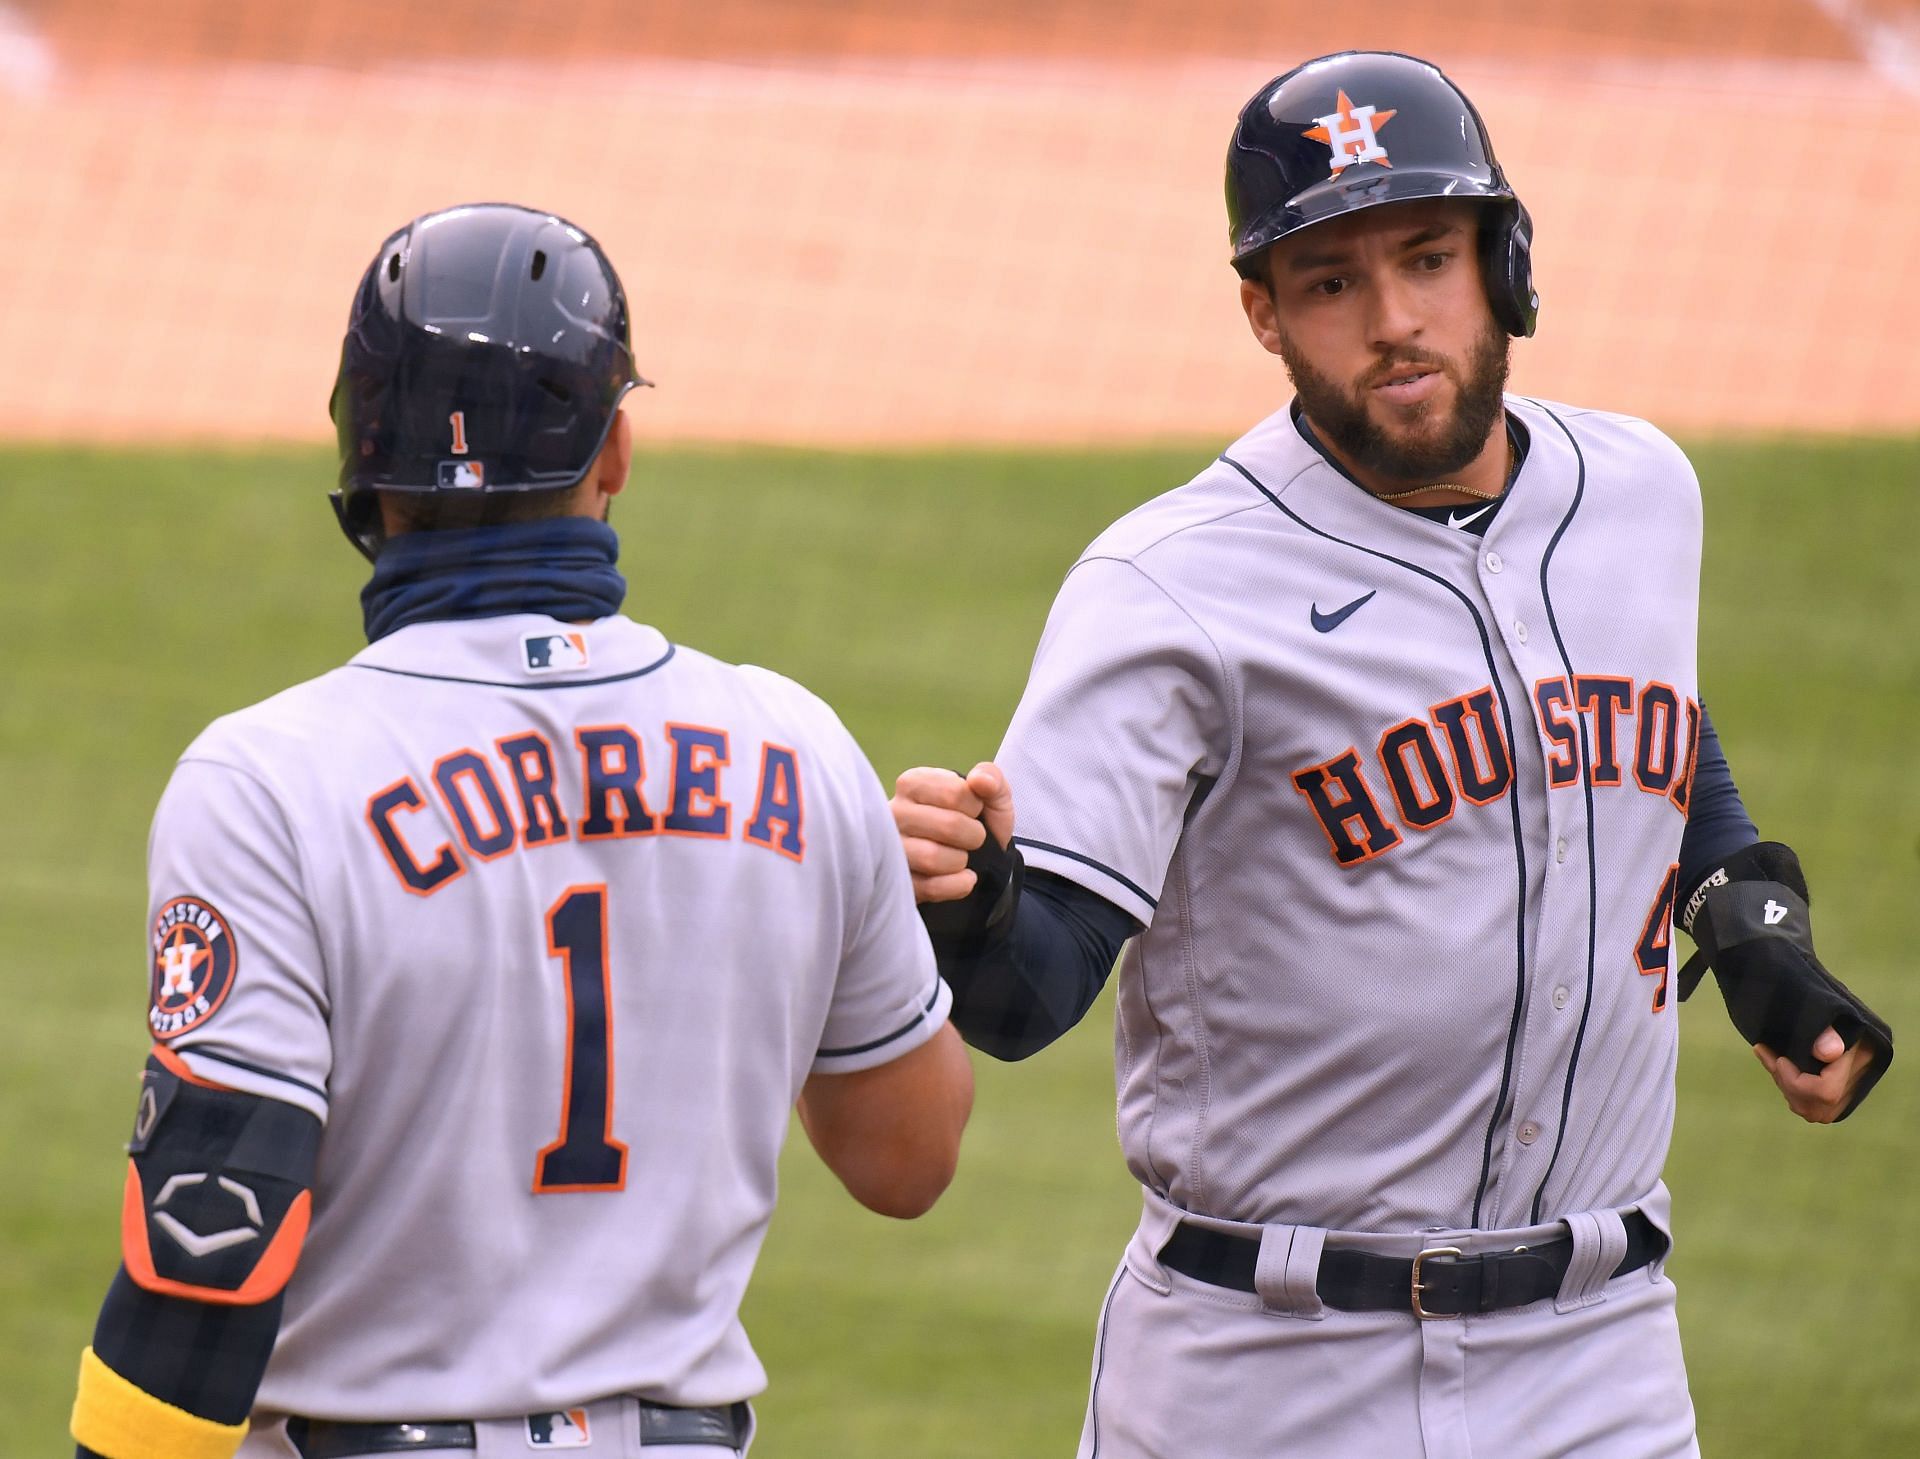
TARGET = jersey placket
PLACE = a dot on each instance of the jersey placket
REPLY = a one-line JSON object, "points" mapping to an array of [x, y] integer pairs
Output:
{"points": [[1560, 893]]}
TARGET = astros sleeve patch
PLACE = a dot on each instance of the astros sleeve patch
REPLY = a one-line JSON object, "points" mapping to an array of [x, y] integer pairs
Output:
{"points": [[194, 960], [235, 969]]}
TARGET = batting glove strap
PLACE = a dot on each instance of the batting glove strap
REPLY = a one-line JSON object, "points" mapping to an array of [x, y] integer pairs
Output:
{"points": [[1764, 861], [1751, 921], [983, 919]]}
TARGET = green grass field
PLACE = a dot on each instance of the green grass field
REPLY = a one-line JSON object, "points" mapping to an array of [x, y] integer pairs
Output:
{"points": [[143, 594]]}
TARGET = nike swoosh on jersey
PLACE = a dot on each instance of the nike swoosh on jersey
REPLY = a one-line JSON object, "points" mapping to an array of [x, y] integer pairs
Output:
{"points": [[1471, 517], [1327, 622]]}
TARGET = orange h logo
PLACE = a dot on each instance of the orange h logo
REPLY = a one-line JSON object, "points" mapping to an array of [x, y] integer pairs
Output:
{"points": [[1352, 132]]}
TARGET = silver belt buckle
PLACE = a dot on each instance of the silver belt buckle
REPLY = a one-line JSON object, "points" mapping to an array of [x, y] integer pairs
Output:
{"points": [[1420, 1286]]}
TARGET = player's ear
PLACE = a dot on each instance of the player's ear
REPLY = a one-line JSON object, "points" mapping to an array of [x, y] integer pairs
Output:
{"points": [[616, 456], [1256, 297]]}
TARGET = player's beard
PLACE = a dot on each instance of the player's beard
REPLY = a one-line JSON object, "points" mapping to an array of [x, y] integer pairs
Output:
{"points": [[1340, 414]]}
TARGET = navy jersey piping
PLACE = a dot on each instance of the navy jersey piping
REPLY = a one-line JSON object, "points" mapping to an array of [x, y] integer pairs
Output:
{"points": [[1519, 841], [901, 1032], [501, 684], [1100, 1362], [260, 1069], [1099, 866], [1586, 786]]}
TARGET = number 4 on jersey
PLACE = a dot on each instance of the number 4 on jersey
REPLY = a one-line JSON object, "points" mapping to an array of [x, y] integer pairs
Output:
{"points": [[585, 1157], [1657, 937]]}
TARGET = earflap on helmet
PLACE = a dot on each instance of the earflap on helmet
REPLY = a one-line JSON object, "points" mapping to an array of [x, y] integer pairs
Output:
{"points": [[1506, 263], [359, 517]]}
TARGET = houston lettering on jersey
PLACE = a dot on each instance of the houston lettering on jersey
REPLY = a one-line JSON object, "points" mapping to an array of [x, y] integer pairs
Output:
{"points": [[512, 799], [1458, 752]]}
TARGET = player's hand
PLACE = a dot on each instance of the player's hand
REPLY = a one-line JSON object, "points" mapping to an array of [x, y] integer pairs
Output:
{"points": [[1819, 1098], [938, 815]]}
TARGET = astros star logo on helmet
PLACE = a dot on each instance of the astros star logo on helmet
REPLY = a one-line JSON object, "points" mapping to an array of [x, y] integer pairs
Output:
{"points": [[1352, 132]]}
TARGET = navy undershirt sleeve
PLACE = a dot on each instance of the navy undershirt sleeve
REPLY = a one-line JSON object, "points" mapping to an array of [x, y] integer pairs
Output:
{"points": [[1717, 821], [1022, 990]]}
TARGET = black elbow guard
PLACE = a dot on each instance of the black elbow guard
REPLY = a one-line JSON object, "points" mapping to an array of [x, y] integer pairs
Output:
{"points": [[1751, 923], [217, 1197]]}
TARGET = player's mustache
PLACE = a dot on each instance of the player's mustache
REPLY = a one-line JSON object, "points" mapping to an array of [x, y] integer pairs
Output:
{"points": [[1398, 362]]}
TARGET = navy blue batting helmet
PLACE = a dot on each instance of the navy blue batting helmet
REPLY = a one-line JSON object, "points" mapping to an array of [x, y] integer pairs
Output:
{"points": [[1363, 128], [487, 350]]}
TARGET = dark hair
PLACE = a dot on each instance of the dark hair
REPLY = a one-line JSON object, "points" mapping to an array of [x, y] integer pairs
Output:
{"points": [[444, 511]]}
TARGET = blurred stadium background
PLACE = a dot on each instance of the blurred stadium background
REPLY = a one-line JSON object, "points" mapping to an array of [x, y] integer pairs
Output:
{"points": [[867, 220], [933, 292]]}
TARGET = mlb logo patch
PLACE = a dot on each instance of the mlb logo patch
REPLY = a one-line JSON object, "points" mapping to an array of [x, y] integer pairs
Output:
{"points": [[464, 475], [554, 653], [566, 1429]]}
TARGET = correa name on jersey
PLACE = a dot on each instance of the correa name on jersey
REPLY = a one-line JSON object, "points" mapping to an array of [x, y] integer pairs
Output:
{"points": [[480, 802]]}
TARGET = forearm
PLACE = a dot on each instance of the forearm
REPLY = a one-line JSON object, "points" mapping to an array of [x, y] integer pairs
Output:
{"points": [[179, 1372], [222, 1180], [892, 1133], [1717, 821], [1035, 974]]}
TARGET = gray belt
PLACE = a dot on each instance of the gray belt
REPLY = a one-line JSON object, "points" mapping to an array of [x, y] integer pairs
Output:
{"points": [[317, 1438]]}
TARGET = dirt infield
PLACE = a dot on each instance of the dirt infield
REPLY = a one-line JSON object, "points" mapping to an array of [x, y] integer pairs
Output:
{"points": [[865, 222]]}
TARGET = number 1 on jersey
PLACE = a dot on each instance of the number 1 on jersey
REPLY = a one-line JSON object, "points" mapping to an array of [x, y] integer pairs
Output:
{"points": [[585, 1157]]}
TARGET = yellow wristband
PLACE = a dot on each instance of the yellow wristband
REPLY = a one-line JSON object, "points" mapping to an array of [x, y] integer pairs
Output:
{"points": [[123, 1421]]}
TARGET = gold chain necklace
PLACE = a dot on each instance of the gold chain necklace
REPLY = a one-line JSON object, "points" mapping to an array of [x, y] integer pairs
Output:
{"points": [[1485, 496]]}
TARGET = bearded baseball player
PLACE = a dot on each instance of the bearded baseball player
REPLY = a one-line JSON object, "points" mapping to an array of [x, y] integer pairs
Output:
{"points": [[1380, 748], [488, 967]]}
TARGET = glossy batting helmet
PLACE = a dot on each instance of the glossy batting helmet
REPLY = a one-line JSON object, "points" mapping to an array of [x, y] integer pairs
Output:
{"points": [[1363, 128], [487, 350]]}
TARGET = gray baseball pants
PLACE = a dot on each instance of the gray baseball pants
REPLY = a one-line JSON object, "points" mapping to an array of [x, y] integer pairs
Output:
{"points": [[1186, 1370]]}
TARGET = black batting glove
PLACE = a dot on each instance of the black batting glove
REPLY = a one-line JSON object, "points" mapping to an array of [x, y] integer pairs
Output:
{"points": [[1751, 923], [981, 920]]}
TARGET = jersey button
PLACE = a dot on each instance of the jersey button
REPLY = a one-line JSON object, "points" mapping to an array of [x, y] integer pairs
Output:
{"points": [[1520, 629], [1528, 1132], [1560, 849], [1560, 996], [1494, 564]]}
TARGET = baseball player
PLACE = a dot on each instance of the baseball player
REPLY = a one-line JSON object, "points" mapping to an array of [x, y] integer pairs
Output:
{"points": [[487, 968], [1379, 745]]}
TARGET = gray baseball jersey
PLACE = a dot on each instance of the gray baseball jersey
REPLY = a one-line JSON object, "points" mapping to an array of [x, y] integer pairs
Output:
{"points": [[1401, 810], [548, 924]]}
